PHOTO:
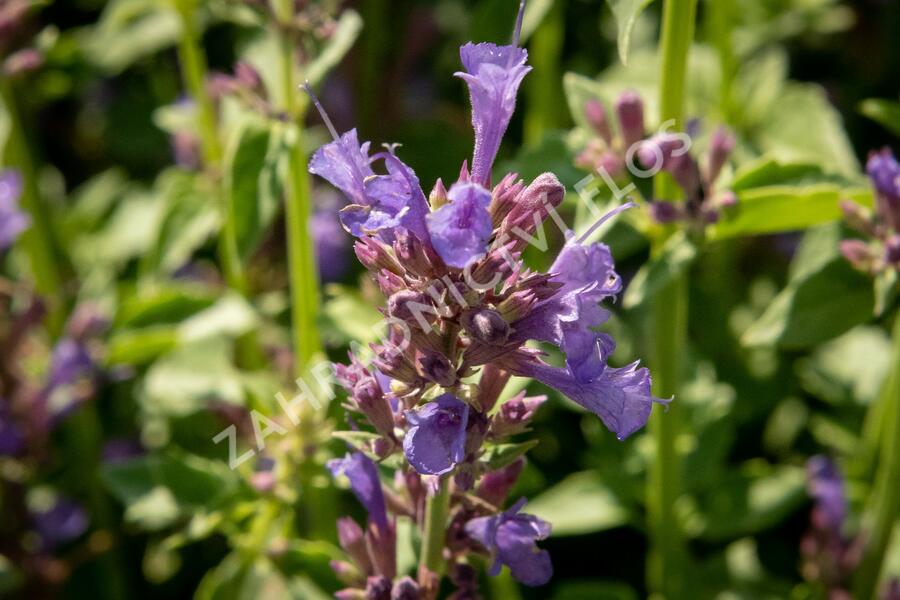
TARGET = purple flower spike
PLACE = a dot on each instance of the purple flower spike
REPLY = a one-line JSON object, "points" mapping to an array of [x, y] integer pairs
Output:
{"points": [[461, 229], [826, 486], [493, 74], [436, 439], [510, 538], [365, 483], [63, 522], [12, 220]]}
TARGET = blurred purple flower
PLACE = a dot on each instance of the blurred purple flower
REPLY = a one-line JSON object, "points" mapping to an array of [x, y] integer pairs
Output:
{"points": [[61, 523], [11, 438], [365, 484], [436, 439], [826, 487], [12, 220], [331, 243], [510, 538]]}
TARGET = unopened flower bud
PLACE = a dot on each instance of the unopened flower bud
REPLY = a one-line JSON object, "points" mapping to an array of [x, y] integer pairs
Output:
{"points": [[727, 199], [352, 540], [610, 163], [382, 545], [892, 250], [686, 173], [532, 206], [720, 148], [504, 196], [247, 76], [374, 256], [495, 486], [23, 61], [378, 588], [346, 572], [411, 253], [857, 253], [630, 112], [515, 415], [409, 305], [391, 361], [435, 367], [390, 283], [857, 217], [658, 151], [438, 196], [485, 325], [371, 401], [666, 212], [406, 589], [595, 114]]}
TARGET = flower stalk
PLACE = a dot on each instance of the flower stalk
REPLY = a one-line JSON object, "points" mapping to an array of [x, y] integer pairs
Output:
{"points": [[298, 208], [885, 501], [670, 309], [435, 530]]}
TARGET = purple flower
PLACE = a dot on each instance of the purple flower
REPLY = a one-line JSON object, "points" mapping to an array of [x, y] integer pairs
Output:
{"points": [[378, 203], [436, 439], [69, 363], [365, 483], [11, 439], [62, 522], [460, 230], [493, 74], [884, 170], [510, 538], [826, 487], [12, 220]]}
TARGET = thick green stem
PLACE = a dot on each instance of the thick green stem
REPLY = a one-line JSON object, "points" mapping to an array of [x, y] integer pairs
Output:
{"points": [[719, 26], [194, 70], [543, 93], [36, 241], [667, 553], [885, 501], [298, 207], [435, 529]]}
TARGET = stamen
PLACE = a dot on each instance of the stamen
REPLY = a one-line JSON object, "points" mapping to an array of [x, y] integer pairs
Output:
{"points": [[603, 220], [318, 105], [517, 32]]}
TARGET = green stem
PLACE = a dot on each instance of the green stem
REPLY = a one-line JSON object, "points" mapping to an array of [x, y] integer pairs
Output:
{"points": [[37, 241], [435, 528], [885, 501], [542, 89], [667, 552], [298, 207], [719, 22], [194, 72]]}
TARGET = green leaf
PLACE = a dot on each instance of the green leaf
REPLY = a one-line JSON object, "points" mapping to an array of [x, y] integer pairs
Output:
{"points": [[750, 500], [885, 112], [886, 290], [159, 489], [824, 296], [128, 30], [139, 346], [348, 317], [169, 304], [340, 42], [244, 162], [676, 256], [626, 13], [580, 503], [497, 456]]}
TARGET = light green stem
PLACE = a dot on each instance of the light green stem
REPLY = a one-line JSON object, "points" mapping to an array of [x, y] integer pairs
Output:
{"points": [[434, 532], [36, 241], [543, 93], [670, 308], [719, 25], [885, 501], [298, 208], [194, 71]]}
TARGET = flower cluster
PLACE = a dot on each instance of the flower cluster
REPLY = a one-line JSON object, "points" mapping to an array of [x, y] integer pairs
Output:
{"points": [[880, 252], [628, 149], [461, 303]]}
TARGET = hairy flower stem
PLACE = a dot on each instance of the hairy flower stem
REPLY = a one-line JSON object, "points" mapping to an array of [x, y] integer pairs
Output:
{"points": [[36, 241], [435, 528], [670, 307], [885, 501], [298, 208]]}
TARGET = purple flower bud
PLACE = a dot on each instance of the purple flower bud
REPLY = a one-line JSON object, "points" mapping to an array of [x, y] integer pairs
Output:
{"points": [[826, 486], [510, 538], [389, 282], [248, 76], [630, 112], [435, 367], [515, 414], [12, 221], [438, 196], [666, 212], [371, 401], [461, 229], [485, 325], [495, 486], [595, 114], [70, 362], [720, 148], [858, 218], [12, 14], [532, 206], [378, 588], [412, 253], [892, 250], [374, 256], [347, 573], [410, 305], [858, 253], [436, 440], [23, 61], [406, 589], [504, 197], [884, 170], [686, 173], [61, 523], [658, 151], [353, 542], [11, 439], [393, 363], [382, 546]]}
